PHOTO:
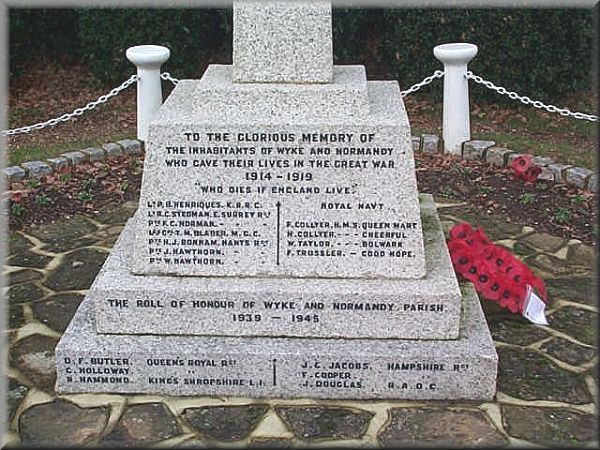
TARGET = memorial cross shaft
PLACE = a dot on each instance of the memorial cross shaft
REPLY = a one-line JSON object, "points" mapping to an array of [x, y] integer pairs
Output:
{"points": [[282, 42]]}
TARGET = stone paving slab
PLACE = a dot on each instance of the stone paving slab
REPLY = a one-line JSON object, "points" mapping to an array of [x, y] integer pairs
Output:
{"points": [[547, 379]]}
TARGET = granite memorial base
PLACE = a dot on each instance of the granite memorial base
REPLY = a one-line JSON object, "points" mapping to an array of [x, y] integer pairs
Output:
{"points": [[460, 369], [426, 308]]}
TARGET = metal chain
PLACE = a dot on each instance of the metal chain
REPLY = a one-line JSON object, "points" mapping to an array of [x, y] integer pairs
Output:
{"points": [[76, 112], [426, 80], [167, 76], [527, 101]]}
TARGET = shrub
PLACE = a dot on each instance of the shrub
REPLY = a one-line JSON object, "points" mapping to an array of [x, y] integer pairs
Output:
{"points": [[191, 34], [542, 53], [42, 33]]}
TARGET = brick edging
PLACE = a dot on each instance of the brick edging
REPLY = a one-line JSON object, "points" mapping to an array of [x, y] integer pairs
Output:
{"points": [[39, 169], [489, 152], [429, 143]]}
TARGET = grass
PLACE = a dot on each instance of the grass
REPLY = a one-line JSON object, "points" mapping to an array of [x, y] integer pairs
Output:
{"points": [[521, 128], [35, 152], [561, 152]]}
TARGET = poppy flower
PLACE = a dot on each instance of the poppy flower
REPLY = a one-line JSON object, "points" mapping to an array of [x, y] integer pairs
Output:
{"points": [[460, 255], [520, 165], [519, 273], [531, 174], [500, 257], [525, 169], [471, 271], [512, 296], [478, 237], [495, 272], [461, 231], [486, 279]]}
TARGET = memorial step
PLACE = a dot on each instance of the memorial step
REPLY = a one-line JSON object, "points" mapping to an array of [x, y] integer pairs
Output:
{"points": [[345, 96], [461, 369]]}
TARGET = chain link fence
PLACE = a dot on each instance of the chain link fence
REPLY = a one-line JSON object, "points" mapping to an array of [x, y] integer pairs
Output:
{"points": [[414, 88], [77, 112], [527, 101]]}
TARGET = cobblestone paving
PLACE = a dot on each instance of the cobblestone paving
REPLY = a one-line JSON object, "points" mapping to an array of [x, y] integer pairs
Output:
{"points": [[547, 381]]}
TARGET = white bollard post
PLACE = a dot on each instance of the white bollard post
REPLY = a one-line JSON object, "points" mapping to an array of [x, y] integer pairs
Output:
{"points": [[148, 59], [456, 115]]}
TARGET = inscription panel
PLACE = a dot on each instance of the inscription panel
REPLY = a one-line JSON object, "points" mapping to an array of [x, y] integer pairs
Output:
{"points": [[295, 202], [283, 375], [425, 308]]}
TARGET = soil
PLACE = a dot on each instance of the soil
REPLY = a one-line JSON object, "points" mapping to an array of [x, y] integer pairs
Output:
{"points": [[43, 92]]}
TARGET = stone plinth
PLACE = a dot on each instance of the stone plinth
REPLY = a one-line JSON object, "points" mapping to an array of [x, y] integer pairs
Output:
{"points": [[427, 308], [461, 369], [277, 194]]}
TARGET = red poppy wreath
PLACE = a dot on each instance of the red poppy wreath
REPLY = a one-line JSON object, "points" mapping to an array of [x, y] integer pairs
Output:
{"points": [[496, 273]]}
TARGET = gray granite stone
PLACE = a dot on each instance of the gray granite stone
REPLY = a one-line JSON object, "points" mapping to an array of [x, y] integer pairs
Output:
{"points": [[546, 174], [582, 255], [592, 183], [516, 331], [550, 264], [23, 276], [568, 351], [226, 423], [510, 159], [29, 259], [59, 163], [33, 356], [542, 161], [528, 375], [15, 393], [282, 42], [416, 144], [476, 149], [94, 154], [578, 176], [142, 425], [430, 143], [24, 293], [60, 423], [37, 169], [111, 149], [426, 308], [349, 190], [131, 146], [545, 242], [550, 427], [75, 157], [15, 317], [576, 322], [14, 173], [575, 289], [445, 427], [57, 311], [280, 367], [76, 270], [559, 171], [497, 155], [311, 423]]}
